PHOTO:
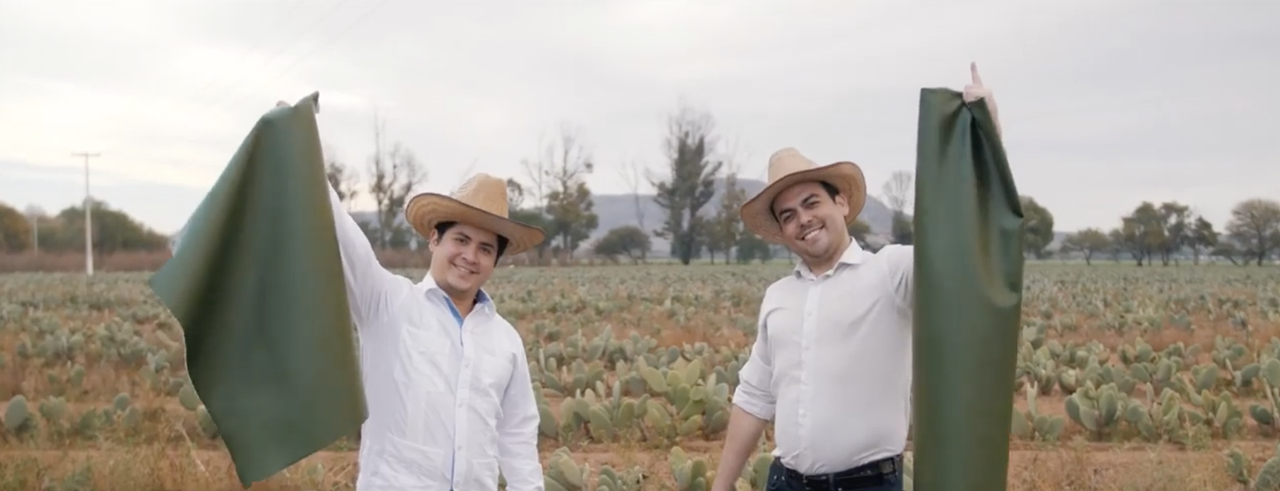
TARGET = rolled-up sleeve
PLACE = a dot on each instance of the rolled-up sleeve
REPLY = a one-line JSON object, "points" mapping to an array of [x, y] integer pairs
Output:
{"points": [[754, 393], [518, 432]]}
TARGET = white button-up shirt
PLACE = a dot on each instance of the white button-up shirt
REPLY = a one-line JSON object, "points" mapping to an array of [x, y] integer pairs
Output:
{"points": [[450, 399], [831, 363]]}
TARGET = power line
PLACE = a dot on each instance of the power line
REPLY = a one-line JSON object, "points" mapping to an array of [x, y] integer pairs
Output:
{"points": [[221, 97], [88, 219], [324, 42], [261, 44], [314, 48]]}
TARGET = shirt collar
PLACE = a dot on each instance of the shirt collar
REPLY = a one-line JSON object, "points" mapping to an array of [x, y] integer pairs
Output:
{"points": [[852, 255], [483, 299]]}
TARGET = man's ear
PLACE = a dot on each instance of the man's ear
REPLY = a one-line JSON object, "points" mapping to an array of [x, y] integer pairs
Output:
{"points": [[433, 240]]}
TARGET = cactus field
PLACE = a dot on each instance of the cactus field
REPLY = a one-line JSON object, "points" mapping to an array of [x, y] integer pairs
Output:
{"points": [[1153, 378]]}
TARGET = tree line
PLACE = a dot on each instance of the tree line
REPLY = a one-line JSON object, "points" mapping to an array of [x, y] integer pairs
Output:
{"points": [[1169, 230], [553, 194], [113, 231]]}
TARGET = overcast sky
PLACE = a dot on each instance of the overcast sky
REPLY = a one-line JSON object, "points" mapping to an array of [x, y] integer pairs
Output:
{"points": [[1104, 103]]}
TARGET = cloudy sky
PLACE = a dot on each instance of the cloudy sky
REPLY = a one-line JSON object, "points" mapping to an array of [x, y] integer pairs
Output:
{"points": [[1104, 103]]}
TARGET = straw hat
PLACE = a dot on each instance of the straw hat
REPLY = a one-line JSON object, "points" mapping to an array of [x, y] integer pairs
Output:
{"points": [[481, 201], [788, 167]]}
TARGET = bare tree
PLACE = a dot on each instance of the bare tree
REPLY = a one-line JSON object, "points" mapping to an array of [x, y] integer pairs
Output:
{"points": [[897, 190], [537, 170], [632, 174], [515, 195], [725, 229], [897, 193], [394, 173], [735, 155], [689, 123], [690, 184], [380, 181], [565, 164], [340, 177]]}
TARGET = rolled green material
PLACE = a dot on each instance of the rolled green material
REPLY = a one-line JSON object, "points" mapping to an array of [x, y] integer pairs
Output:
{"points": [[257, 284], [968, 297]]}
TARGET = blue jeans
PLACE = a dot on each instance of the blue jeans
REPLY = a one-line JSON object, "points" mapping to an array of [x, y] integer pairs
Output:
{"points": [[864, 478]]}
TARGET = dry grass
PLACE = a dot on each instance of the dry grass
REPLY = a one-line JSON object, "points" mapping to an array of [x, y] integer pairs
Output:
{"points": [[1063, 468], [48, 262]]}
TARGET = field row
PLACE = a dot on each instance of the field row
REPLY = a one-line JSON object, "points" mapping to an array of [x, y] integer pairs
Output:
{"points": [[647, 358], [607, 390]]}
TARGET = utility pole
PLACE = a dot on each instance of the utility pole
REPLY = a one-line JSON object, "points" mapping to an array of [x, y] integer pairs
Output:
{"points": [[34, 213], [88, 219]]}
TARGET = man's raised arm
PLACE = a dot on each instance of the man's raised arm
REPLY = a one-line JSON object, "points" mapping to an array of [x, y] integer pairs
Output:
{"points": [[371, 289]]}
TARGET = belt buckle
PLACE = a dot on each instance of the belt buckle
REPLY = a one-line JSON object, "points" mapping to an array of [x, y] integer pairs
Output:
{"points": [[889, 465], [815, 479]]}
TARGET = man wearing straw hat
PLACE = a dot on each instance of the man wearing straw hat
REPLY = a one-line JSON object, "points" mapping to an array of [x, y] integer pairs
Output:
{"points": [[450, 396], [831, 365]]}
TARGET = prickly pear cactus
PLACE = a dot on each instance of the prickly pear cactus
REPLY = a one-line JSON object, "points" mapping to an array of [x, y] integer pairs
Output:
{"points": [[1268, 477], [629, 480], [563, 474], [1032, 425], [1098, 410], [207, 426], [188, 398], [690, 474], [1268, 415], [17, 417]]}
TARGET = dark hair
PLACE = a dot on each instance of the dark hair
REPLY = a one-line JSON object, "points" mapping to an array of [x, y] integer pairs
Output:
{"points": [[831, 189], [443, 227], [832, 192]]}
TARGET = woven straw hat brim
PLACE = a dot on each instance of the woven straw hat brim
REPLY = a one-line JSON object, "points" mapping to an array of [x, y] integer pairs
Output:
{"points": [[847, 177], [426, 210]]}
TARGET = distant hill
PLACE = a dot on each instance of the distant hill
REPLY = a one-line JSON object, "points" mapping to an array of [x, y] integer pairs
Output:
{"points": [[618, 210]]}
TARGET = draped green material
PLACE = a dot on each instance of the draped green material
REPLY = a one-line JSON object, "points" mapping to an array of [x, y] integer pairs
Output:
{"points": [[257, 284], [968, 297]]}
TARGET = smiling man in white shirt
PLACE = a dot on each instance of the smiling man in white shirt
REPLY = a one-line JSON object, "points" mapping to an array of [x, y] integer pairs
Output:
{"points": [[831, 363], [447, 379]]}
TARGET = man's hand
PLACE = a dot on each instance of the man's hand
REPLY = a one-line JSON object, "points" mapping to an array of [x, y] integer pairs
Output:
{"points": [[975, 90], [740, 441], [315, 97]]}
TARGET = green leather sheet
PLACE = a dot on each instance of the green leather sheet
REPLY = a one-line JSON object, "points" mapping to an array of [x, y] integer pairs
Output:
{"points": [[968, 297], [257, 284]]}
